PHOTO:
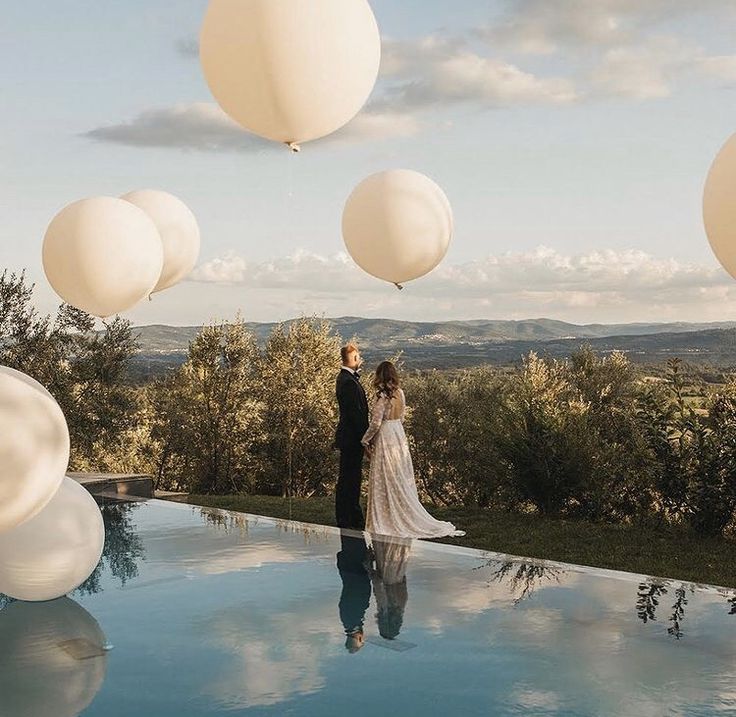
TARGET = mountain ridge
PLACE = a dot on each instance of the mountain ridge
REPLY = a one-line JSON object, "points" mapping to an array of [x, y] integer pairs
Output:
{"points": [[156, 338]]}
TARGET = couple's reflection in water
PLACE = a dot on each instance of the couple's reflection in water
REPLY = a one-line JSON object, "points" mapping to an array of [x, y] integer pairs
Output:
{"points": [[378, 568]]}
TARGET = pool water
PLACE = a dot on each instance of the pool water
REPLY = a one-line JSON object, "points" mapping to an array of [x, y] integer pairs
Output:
{"points": [[196, 612]]}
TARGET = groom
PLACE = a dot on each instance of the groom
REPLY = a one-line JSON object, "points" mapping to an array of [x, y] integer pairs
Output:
{"points": [[352, 426]]}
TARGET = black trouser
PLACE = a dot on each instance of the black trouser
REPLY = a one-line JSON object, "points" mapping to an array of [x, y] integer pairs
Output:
{"points": [[347, 494]]}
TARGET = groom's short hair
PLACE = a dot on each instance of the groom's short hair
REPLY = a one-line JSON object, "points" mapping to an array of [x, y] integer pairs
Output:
{"points": [[346, 350]]}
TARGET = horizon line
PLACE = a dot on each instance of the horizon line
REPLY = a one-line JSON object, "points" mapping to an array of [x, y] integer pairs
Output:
{"points": [[439, 321]]}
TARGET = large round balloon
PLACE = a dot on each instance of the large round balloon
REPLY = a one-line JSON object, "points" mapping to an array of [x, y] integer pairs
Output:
{"points": [[178, 229], [34, 447], [719, 206], [57, 550], [102, 255], [397, 225], [290, 70], [53, 659]]}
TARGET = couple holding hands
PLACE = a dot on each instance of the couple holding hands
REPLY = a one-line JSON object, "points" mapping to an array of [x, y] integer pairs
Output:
{"points": [[394, 508]]}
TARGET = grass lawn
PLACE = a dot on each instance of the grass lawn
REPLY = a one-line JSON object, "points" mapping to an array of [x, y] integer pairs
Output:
{"points": [[661, 552]]}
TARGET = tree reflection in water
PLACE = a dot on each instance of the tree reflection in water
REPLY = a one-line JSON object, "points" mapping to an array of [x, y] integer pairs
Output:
{"points": [[123, 546], [241, 523], [522, 579], [650, 593], [647, 600], [224, 520], [732, 605]]}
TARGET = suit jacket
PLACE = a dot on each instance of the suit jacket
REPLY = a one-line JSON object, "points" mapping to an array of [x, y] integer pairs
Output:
{"points": [[353, 405]]}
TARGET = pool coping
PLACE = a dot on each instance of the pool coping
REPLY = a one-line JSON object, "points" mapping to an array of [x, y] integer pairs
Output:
{"points": [[447, 548]]}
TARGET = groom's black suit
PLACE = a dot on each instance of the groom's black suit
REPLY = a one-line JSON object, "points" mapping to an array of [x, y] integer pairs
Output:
{"points": [[350, 430]]}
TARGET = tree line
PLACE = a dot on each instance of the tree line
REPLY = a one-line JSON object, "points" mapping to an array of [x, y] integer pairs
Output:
{"points": [[588, 436]]}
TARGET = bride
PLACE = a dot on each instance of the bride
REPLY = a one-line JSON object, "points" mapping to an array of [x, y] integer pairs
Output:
{"points": [[393, 503]]}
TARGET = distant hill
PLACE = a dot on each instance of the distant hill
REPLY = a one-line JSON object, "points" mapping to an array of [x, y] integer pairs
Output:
{"points": [[388, 332], [458, 344]]}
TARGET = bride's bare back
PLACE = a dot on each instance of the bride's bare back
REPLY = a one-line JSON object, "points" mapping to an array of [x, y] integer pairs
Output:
{"points": [[396, 407]]}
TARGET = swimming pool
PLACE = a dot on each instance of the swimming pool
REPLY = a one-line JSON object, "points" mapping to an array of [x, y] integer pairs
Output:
{"points": [[199, 612]]}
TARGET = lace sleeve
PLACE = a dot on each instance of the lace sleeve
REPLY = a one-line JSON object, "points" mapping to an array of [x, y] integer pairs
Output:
{"points": [[379, 409]]}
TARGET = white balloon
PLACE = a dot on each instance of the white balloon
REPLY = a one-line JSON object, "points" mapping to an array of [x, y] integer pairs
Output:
{"points": [[719, 206], [178, 229], [290, 70], [54, 552], [397, 225], [53, 659], [102, 255], [34, 447]]}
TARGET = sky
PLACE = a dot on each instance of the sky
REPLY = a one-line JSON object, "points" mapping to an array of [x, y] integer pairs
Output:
{"points": [[572, 139]]}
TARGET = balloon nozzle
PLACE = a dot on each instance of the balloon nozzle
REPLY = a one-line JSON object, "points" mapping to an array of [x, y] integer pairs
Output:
{"points": [[294, 147], [398, 286]]}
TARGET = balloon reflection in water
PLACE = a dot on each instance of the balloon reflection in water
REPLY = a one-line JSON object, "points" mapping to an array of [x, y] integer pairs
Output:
{"points": [[52, 659]]}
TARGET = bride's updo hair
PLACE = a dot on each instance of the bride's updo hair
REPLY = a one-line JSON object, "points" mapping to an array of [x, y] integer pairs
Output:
{"points": [[386, 380]]}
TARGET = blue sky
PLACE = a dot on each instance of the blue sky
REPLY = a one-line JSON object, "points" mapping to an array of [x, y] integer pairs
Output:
{"points": [[572, 139]]}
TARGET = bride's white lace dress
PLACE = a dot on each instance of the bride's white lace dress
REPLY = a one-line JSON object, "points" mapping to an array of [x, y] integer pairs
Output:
{"points": [[393, 503]]}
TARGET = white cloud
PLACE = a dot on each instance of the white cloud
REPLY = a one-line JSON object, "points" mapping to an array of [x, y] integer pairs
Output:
{"points": [[198, 126], [601, 285], [533, 699], [646, 70], [544, 26], [616, 48], [468, 77], [609, 51], [606, 54], [301, 270], [376, 124], [417, 75], [720, 67], [203, 126], [438, 71], [409, 57], [270, 658], [544, 269]]}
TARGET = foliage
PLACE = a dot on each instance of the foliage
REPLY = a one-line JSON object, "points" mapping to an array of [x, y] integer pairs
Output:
{"points": [[207, 418], [544, 440], [451, 422], [691, 455], [84, 370], [587, 437], [234, 418], [610, 386], [297, 386]]}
